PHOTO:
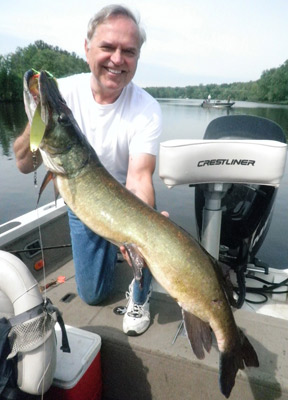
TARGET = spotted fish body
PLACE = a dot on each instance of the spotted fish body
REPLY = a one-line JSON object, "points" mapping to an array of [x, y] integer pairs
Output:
{"points": [[175, 259]]}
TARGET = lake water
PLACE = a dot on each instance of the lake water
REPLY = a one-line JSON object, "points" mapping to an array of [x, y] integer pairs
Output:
{"points": [[182, 119]]}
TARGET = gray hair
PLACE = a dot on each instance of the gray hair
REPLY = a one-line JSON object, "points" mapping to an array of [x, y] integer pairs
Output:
{"points": [[113, 10]]}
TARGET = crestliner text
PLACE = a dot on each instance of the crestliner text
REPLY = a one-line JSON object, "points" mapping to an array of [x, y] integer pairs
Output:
{"points": [[226, 161]]}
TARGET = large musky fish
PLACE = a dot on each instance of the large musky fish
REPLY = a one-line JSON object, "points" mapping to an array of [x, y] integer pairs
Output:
{"points": [[175, 259]]}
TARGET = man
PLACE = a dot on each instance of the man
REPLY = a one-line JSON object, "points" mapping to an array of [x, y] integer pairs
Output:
{"points": [[123, 123]]}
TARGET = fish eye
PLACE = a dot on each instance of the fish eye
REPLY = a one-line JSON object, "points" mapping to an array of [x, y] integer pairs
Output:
{"points": [[63, 119]]}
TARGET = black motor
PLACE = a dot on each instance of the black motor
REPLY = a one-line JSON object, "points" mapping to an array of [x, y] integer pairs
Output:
{"points": [[246, 209]]}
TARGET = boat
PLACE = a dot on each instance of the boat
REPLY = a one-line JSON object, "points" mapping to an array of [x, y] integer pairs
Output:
{"points": [[217, 104], [159, 364]]}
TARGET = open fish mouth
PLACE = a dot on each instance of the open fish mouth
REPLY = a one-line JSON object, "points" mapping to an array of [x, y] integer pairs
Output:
{"points": [[38, 101]]}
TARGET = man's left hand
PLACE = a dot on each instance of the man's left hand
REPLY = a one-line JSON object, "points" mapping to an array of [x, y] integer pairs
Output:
{"points": [[124, 251]]}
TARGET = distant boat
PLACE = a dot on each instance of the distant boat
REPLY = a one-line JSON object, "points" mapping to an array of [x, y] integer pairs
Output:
{"points": [[217, 104]]}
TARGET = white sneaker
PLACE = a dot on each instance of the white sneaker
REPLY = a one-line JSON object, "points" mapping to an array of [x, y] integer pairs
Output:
{"points": [[137, 318]]}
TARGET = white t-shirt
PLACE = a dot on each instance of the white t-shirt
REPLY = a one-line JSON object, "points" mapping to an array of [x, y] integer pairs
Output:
{"points": [[132, 124]]}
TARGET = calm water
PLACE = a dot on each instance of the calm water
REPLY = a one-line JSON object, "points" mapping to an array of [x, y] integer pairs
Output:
{"points": [[182, 119]]}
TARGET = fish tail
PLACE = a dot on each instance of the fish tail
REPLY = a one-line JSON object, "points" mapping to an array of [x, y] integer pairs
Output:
{"points": [[243, 354]]}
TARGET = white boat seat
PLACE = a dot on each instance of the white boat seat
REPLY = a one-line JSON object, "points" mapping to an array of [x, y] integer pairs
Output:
{"points": [[222, 161]]}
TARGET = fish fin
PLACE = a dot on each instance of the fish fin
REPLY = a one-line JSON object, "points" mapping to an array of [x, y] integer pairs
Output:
{"points": [[137, 261], [48, 177], [56, 191], [227, 285], [248, 353], [229, 365], [231, 362], [199, 334]]}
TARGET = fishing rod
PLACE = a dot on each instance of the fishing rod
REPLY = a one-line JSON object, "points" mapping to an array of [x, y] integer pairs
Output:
{"points": [[39, 249]]}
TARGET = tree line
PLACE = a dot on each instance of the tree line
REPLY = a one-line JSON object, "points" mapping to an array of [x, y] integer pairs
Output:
{"points": [[271, 87], [39, 56]]}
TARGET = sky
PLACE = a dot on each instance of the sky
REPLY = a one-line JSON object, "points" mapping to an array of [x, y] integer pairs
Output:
{"points": [[189, 42]]}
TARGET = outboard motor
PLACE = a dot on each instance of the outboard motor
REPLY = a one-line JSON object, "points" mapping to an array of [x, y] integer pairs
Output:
{"points": [[246, 208], [236, 170]]}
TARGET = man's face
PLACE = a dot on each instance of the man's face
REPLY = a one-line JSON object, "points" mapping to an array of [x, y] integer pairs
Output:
{"points": [[112, 55]]}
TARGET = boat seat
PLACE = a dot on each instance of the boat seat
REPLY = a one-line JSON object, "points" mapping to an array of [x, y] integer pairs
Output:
{"points": [[240, 149], [222, 161], [217, 164], [236, 170], [214, 165]]}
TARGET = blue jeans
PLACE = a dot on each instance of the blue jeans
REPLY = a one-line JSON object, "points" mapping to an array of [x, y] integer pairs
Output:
{"points": [[94, 261]]}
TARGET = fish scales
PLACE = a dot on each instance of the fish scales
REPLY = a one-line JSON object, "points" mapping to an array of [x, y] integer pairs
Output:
{"points": [[96, 204], [175, 258], [188, 276]]}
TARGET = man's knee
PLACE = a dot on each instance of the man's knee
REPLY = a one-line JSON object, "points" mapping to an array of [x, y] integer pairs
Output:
{"points": [[93, 299]]}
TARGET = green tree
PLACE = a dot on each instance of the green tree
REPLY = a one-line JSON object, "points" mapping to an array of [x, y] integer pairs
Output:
{"points": [[39, 55], [272, 87]]}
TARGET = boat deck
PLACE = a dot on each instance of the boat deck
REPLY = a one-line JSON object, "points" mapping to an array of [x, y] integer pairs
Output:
{"points": [[151, 367]]}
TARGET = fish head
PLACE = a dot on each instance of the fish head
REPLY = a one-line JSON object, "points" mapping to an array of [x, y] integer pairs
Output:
{"points": [[53, 129], [61, 129]]}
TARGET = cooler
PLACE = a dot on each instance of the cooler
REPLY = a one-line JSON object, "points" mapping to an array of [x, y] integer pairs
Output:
{"points": [[78, 374]]}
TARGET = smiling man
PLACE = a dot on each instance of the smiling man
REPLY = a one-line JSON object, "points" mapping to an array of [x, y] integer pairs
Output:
{"points": [[112, 52], [123, 123]]}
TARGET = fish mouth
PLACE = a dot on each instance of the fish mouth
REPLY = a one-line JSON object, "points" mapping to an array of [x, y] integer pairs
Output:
{"points": [[43, 89], [50, 97], [42, 100]]}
